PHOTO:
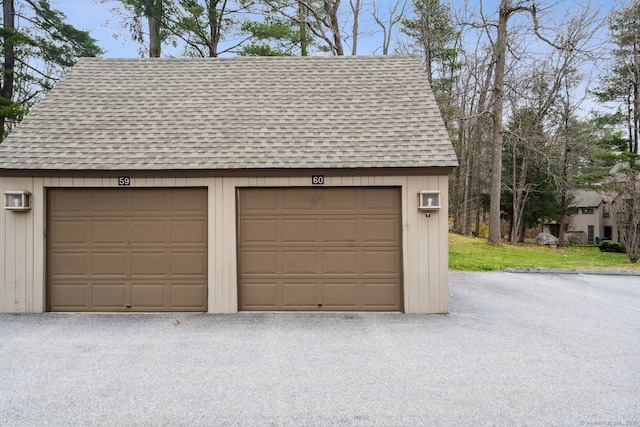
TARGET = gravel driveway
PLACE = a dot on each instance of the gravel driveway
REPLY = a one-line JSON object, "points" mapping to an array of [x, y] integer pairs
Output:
{"points": [[517, 349]]}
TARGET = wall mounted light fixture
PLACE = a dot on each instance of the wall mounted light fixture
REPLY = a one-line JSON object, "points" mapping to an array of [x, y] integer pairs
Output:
{"points": [[17, 200], [429, 200]]}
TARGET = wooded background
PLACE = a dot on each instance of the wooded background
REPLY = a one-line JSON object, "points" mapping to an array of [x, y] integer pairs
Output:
{"points": [[539, 97]]}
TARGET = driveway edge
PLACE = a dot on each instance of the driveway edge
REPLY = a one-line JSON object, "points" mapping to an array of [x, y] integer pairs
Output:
{"points": [[565, 271]]}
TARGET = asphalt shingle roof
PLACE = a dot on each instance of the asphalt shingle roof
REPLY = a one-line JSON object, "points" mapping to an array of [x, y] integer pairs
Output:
{"points": [[586, 199], [234, 113]]}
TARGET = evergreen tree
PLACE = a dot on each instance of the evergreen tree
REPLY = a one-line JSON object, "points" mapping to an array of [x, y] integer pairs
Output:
{"points": [[36, 55], [622, 83]]}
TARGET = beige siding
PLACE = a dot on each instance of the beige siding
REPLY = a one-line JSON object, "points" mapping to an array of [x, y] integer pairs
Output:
{"points": [[22, 250], [580, 222], [424, 240]]}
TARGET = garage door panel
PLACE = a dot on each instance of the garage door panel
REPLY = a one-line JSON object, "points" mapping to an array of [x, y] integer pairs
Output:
{"points": [[380, 263], [108, 202], [66, 232], [263, 262], [191, 231], [149, 295], [381, 230], [298, 294], [340, 262], [192, 264], [257, 231], [259, 200], [70, 296], [188, 296], [341, 295], [299, 263], [297, 230], [109, 232], [376, 200], [149, 202], [300, 200], [127, 249], [109, 295], [67, 264], [382, 295], [188, 202], [70, 204], [322, 246], [262, 294], [340, 200], [109, 264], [150, 232], [146, 264], [341, 230]]}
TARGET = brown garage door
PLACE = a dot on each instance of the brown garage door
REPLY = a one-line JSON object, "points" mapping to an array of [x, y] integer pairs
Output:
{"points": [[127, 249], [319, 249]]}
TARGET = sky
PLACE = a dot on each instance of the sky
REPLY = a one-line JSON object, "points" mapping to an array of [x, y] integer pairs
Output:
{"points": [[96, 17]]}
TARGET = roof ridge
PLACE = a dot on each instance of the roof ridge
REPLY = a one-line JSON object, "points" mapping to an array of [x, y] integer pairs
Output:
{"points": [[262, 58]]}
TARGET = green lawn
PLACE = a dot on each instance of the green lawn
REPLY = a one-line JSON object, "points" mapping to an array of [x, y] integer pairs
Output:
{"points": [[468, 253]]}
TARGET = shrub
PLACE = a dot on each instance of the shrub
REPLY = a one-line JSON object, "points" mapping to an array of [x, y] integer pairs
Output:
{"points": [[484, 231], [573, 239], [609, 246]]}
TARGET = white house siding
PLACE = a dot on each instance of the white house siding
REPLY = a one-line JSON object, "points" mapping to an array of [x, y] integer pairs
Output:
{"points": [[424, 240]]}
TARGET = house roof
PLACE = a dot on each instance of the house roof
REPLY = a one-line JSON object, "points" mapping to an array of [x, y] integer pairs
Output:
{"points": [[234, 113], [586, 199]]}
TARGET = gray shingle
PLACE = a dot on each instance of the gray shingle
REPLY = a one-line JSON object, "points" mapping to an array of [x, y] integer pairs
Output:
{"points": [[586, 199], [234, 113]]}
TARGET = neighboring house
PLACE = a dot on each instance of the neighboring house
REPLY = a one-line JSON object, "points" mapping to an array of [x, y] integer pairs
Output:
{"points": [[225, 185], [590, 220]]}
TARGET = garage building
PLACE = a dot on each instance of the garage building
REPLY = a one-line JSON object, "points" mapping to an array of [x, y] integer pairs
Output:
{"points": [[225, 185]]}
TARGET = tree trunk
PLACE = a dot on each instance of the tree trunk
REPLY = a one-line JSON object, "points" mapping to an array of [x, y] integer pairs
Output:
{"points": [[426, 47], [520, 192], [355, 8], [215, 25], [213, 42], [154, 18], [500, 50], [563, 204], [521, 234], [331, 8], [475, 141], [466, 194], [636, 98], [9, 19], [302, 21], [564, 180]]}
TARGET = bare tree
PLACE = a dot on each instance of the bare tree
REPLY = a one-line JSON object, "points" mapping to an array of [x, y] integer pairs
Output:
{"points": [[473, 123], [505, 11], [625, 208], [320, 18], [568, 49], [326, 24], [395, 14]]}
